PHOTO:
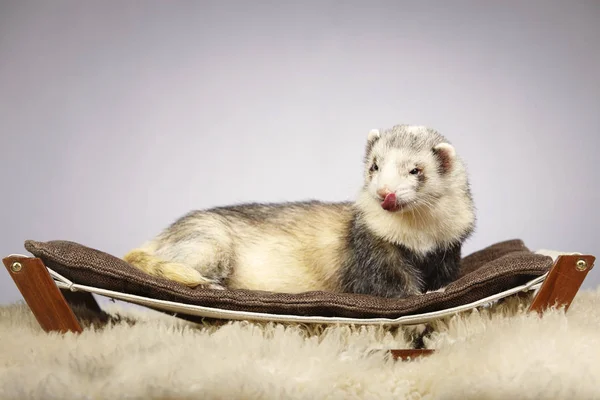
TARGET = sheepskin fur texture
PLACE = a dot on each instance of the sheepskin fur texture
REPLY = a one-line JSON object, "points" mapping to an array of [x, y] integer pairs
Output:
{"points": [[496, 352]]}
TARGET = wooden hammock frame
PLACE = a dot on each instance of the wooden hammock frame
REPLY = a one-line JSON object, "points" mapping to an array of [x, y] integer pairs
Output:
{"points": [[53, 307]]}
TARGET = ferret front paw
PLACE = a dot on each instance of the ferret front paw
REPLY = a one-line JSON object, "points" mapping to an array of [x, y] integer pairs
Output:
{"points": [[440, 290]]}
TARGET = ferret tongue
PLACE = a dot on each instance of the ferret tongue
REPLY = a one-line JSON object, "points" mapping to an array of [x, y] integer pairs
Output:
{"points": [[389, 203]]}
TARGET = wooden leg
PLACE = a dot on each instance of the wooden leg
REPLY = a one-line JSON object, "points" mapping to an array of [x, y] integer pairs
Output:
{"points": [[562, 283], [410, 354], [41, 294], [558, 290]]}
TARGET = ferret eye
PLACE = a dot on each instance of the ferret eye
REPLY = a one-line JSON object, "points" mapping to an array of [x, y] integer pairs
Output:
{"points": [[415, 171], [374, 167]]}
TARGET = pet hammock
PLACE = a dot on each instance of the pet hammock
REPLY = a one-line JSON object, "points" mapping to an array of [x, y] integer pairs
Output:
{"points": [[62, 274]]}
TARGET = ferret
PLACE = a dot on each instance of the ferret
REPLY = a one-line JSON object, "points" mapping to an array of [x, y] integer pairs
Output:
{"points": [[400, 237]]}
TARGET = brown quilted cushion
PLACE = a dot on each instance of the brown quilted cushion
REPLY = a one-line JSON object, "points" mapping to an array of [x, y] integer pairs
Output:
{"points": [[484, 273]]}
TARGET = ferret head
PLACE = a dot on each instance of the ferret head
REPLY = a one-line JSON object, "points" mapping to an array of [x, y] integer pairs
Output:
{"points": [[410, 166]]}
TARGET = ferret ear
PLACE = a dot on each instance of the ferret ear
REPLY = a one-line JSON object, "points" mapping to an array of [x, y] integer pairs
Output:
{"points": [[446, 154], [373, 135]]}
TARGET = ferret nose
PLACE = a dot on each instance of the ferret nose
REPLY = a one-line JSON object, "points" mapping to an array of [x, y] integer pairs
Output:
{"points": [[383, 192]]}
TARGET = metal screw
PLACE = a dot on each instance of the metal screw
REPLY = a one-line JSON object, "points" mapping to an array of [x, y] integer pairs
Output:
{"points": [[581, 265], [16, 266]]}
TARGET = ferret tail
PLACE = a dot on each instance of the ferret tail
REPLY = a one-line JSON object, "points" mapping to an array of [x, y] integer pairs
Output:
{"points": [[152, 265]]}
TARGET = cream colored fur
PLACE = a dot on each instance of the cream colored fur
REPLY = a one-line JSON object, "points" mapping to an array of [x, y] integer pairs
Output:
{"points": [[301, 258], [487, 354], [296, 254], [418, 229], [301, 249]]}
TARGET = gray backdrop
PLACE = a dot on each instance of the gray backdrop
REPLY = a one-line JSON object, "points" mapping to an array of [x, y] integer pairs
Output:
{"points": [[118, 117]]}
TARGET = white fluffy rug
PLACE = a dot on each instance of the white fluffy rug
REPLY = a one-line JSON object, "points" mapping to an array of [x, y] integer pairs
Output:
{"points": [[496, 353]]}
